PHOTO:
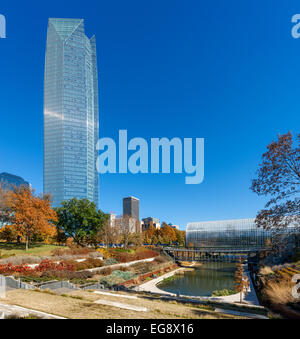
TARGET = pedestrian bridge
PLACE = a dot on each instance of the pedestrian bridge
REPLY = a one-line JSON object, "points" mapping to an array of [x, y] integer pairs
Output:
{"points": [[214, 254]]}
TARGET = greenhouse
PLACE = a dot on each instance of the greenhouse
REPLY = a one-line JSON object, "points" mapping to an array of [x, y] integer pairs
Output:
{"points": [[233, 234]]}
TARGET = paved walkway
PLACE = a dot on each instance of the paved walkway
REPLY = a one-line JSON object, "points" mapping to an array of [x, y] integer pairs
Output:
{"points": [[150, 286], [121, 305], [118, 295], [24, 312], [250, 298]]}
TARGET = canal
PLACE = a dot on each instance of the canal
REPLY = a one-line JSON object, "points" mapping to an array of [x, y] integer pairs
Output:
{"points": [[202, 281]]}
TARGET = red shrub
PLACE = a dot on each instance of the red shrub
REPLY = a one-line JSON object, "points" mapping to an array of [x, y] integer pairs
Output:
{"points": [[47, 265], [10, 269]]}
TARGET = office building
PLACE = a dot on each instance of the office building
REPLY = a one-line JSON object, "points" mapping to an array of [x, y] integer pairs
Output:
{"points": [[9, 181], [71, 117], [131, 207], [148, 222]]}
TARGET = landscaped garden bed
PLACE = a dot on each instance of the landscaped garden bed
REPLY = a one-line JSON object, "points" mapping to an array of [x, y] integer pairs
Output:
{"points": [[110, 271]]}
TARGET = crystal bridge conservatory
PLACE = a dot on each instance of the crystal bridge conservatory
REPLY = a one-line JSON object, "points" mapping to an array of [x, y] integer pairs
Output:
{"points": [[228, 240], [226, 234]]}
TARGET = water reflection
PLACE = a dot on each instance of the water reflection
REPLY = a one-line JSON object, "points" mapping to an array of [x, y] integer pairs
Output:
{"points": [[202, 281]]}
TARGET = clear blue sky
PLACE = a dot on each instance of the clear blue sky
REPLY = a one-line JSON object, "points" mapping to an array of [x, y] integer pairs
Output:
{"points": [[227, 71]]}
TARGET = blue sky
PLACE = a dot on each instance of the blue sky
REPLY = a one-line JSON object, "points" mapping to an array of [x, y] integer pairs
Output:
{"points": [[226, 71]]}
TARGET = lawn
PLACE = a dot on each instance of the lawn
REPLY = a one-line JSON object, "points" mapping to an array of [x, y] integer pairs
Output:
{"points": [[37, 249], [80, 305]]}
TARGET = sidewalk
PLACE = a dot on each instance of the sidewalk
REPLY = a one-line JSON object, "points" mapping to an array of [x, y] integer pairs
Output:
{"points": [[24, 312]]}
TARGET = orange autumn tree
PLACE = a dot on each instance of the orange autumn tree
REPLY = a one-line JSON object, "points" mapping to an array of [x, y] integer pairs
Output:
{"points": [[31, 215], [167, 233]]}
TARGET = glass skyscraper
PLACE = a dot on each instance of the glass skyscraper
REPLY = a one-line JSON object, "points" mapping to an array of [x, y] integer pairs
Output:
{"points": [[71, 114]]}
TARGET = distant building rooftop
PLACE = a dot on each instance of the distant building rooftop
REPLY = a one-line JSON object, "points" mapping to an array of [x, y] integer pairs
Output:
{"points": [[8, 181]]}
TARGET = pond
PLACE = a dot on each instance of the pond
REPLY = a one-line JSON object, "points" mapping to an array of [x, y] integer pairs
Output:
{"points": [[203, 280]]}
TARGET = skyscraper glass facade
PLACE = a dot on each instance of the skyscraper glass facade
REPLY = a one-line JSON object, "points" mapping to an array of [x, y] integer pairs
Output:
{"points": [[71, 113], [241, 233], [131, 207]]}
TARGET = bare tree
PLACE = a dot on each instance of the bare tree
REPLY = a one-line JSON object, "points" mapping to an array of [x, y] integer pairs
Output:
{"points": [[109, 233]]}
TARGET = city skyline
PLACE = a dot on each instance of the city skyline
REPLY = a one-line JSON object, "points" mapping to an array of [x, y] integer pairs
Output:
{"points": [[71, 116], [168, 70]]}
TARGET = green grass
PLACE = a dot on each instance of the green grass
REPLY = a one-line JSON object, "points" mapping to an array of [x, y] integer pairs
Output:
{"points": [[172, 278], [37, 249], [222, 293], [122, 250]]}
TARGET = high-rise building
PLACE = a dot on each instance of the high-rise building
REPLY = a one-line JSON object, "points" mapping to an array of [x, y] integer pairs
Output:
{"points": [[71, 116], [131, 207], [148, 222], [9, 181]]}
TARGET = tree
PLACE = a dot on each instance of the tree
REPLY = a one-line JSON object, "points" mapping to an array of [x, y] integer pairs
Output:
{"points": [[149, 235], [168, 234], [190, 245], [126, 228], [80, 220], [180, 237], [278, 176], [31, 215], [4, 207], [8, 233], [136, 239], [109, 233], [241, 280]]}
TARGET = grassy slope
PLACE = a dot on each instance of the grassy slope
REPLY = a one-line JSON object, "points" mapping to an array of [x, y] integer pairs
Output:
{"points": [[19, 249], [79, 305]]}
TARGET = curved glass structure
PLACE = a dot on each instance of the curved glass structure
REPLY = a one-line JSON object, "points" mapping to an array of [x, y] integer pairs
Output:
{"points": [[241, 233]]}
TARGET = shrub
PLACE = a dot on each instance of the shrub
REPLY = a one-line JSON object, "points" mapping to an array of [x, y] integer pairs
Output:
{"points": [[279, 292], [86, 264], [104, 251], [11, 269], [22, 259], [266, 270], [94, 262], [143, 267], [222, 293], [106, 271], [47, 265], [110, 261], [54, 274], [161, 260], [80, 251], [117, 277], [139, 254]]}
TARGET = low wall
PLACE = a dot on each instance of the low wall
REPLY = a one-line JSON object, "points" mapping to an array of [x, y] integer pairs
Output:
{"points": [[148, 275], [11, 282]]}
